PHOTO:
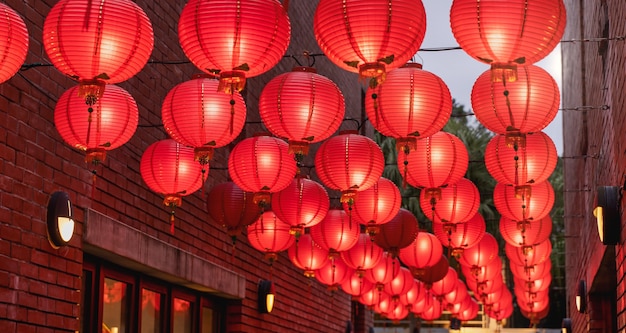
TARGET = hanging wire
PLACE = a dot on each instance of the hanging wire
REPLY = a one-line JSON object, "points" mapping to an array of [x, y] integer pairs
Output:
{"points": [[587, 108]]}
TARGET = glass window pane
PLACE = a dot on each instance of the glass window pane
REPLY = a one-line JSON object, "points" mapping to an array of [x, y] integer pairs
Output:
{"points": [[182, 316], [207, 320], [115, 306], [150, 311]]}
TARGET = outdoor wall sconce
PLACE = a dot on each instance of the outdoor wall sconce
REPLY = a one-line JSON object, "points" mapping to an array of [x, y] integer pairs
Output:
{"points": [[266, 296], [60, 219], [607, 214], [581, 297], [566, 325]]}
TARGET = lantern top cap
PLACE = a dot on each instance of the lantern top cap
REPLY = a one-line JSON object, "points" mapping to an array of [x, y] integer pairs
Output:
{"points": [[304, 69], [413, 65]]}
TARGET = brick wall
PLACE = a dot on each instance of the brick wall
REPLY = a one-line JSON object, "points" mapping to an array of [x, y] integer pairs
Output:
{"points": [[39, 286]]}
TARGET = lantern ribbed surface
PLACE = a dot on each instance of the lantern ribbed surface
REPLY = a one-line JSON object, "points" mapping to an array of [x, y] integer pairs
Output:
{"points": [[531, 272], [504, 308], [269, 234], [458, 293], [303, 203], [364, 255], [529, 256], [333, 273], [376, 205], [484, 287], [533, 286], [302, 106], [349, 162], [398, 233], [524, 296], [229, 206], [307, 255], [413, 103], [437, 161], [397, 313], [13, 42], [468, 313], [458, 203], [482, 253], [336, 232], [113, 120], [195, 114], [445, 285], [435, 272], [483, 273], [433, 312], [374, 298], [424, 304], [527, 105], [423, 252], [245, 36], [384, 271], [524, 204], [169, 168], [417, 292], [508, 32], [401, 283], [526, 164], [356, 33], [493, 297], [460, 236], [86, 39], [521, 234], [356, 285], [261, 164]]}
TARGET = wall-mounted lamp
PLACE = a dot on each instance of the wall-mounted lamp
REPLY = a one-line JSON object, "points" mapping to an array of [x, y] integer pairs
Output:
{"points": [[566, 325], [607, 214], [60, 219], [266, 296], [581, 297]]}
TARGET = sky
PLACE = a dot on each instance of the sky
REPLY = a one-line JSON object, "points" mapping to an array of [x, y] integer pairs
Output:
{"points": [[459, 71]]}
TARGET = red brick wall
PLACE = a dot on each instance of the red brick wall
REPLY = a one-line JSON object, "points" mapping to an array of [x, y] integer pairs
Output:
{"points": [[39, 286]]}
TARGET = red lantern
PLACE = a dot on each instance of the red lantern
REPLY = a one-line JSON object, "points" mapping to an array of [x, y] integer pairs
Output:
{"points": [[304, 203], [522, 234], [376, 205], [401, 283], [534, 286], [369, 44], [303, 107], [261, 165], [374, 297], [531, 161], [416, 293], [169, 168], [438, 161], [468, 313], [529, 255], [457, 307], [524, 203], [445, 285], [424, 251], [242, 39], [349, 163], [505, 311], [453, 204], [458, 294], [434, 273], [531, 272], [307, 255], [483, 273], [412, 104], [13, 42], [229, 206], [397, 313], [356, 286], [397, 233], [460, 236], [335, 233], [433, 312], [494, 297], [505, 34], [534, 316], [486, 286], [195, 114], [384, 271], [111, 123], [482, 253], [270, 235], [333, 273], [364, 255], [505, 301]]}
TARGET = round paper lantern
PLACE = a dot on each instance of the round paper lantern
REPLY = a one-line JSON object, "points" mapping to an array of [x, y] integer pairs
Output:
{"points": [[397, 313], [445, 285], [433, 312], [535, 317], [349, 163], [303, 107], [529, 255], [304, 203], [468, 313], [307, 255], [335, 232], [531, 161], [424, 303], [270, 235], [397, 233], [460, 236], [374, 297], [505, 34], [534, 286], [195, 114], [457, 295], [417, 292], [412, 104], [438, 161], [97, 43], [486, 286], [13, 42], [461, 305], [242, 39], [527, 105], [232, 208], [522, 234], [423, 252], [501, 314], [169, 168], [333, 273], [262, 165], [383, 272], [524, 203], [434, 273], [505, 301], [453, 204], [531, 272], [482, 253], [376, 205], [369, 37], [111, 123], [400, 284], [355, 285], [483, 273], [364, 255]]}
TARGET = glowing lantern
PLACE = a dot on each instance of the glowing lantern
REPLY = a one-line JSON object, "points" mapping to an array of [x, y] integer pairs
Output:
{"points": [[195, 114], [526, 163], [445, 285], [397, 233], [434, 273], [529, 255], [335, 233], [505, 301], [169, 168], [400, 284], [457, 307], [534, 286], [505, 34], [423, 252], [242, 39], [493, 297], [384, 271], [522, 234], [356, 286], [433, 312], [364, 255], [229, 206], [531, 272], [468, 313], [397, 313], [483, 273], [270, 235], [303, 107], [460, 236], [307, 255], [13, 42], [486, 286], [457, 295], [482, 253], [374, 297], [304, 203], [423, 304], [349, 163], [453, 204], [333, 273], [371, 45], [505, 311], [376, 205], [524, 203], [417, 292]]}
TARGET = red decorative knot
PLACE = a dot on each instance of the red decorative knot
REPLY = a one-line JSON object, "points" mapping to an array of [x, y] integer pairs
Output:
{"points": [[529, 255], [369, 37], [458, 203], [398, 233], [232, 208], [335, 233], [505, 34], [13, 42], [460, 236], [376, 206], [242, 39], [307, 255], [303, 107], [383, 272], [412, 104], [364, 255], [433, 273], [303, 203], [527, 105], [524, 203], [424, 251], [482, 253], [270, 235], [355, 285], [524, 234], [333, 273]]}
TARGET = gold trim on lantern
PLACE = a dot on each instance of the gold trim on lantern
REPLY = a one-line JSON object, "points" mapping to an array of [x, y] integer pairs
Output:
{"points": [[374, 70], [523, 191], [501, 72], [406, 145], [203, 154], [95, 155], [174, 200], [91, 90], [231, 81], [514, 138], [298, 148]]}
